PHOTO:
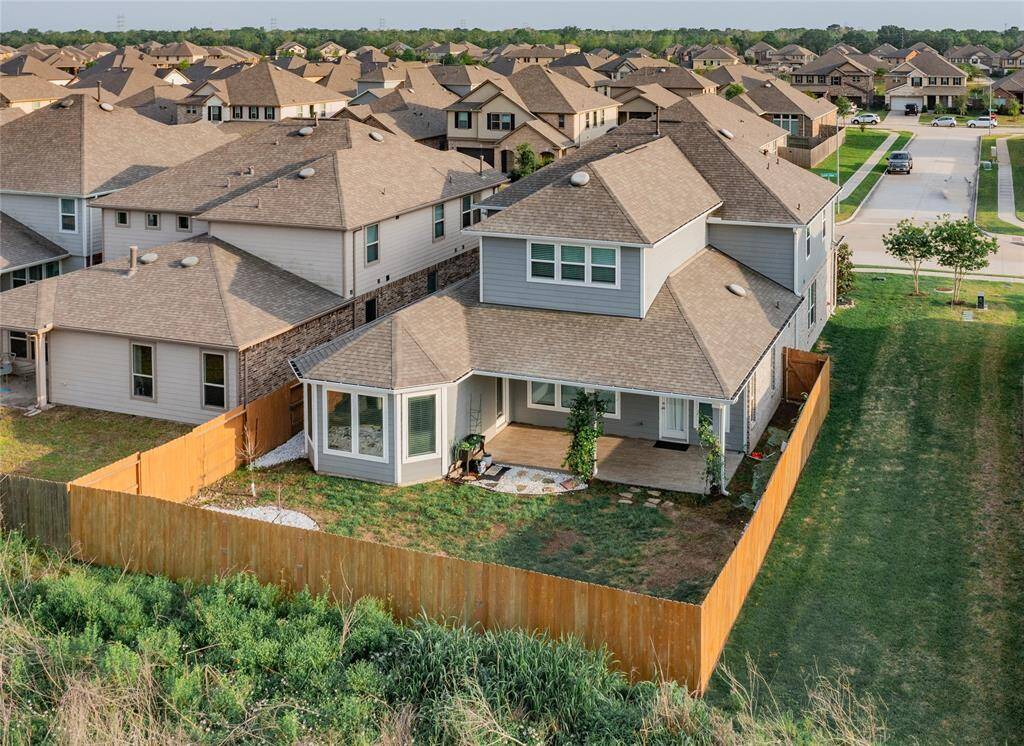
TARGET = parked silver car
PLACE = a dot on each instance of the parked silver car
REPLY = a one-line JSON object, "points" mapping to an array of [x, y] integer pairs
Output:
{"points": [[944, 121], [983, 121], [866, 117]]}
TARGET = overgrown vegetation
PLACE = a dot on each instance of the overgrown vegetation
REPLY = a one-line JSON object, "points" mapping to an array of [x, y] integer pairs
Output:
{"points": [[93, 655], [900, 559], [64, 443]]}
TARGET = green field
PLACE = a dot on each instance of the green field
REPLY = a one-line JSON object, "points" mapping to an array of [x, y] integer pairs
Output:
{"points": [[901, 558]]}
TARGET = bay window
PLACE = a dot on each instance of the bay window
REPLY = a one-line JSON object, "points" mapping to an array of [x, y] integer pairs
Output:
{"points": [[356, 425]]}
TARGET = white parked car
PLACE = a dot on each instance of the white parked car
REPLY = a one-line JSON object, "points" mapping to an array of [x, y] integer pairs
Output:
{"points": [[866, 118], [944, 121], [983, 122]]}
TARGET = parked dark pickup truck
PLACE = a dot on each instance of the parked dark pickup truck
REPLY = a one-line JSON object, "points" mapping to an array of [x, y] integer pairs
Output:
{"points": [[911, 110], [900, 162]]}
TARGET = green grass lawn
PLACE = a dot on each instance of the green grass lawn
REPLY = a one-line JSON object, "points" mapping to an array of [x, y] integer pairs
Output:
{"points": [[900, 560], [856, 149], [673, 552], [987, 212], [849, 205], [1016, 147], [64, 443]]}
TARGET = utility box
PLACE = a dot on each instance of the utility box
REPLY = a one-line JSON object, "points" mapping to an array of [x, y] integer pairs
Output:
{"points": [[981, 301], [986, 165]]}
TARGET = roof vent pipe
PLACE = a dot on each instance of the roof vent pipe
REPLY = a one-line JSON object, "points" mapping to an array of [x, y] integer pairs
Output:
{"points": [[251, 171], [133, 259], [657, 120]]}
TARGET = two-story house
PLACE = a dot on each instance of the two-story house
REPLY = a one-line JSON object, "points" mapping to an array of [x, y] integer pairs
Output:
{"points": [[663, 267], [28, 92], [927, 79], [290, 49], [26, 64], [760, 53], [175, 53], [263, 92], [712, 56], [680, 81], [836, 74], [792, 56], [812, 123], [977, 55], [535, 105], [220, 270], [56, 161], [329, 50], [619, 67]]}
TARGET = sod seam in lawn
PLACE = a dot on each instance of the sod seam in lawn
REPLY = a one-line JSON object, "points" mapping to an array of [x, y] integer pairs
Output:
{"points": [[900, 560]]}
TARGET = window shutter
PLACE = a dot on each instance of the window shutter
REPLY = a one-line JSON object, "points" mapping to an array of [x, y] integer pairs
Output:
{"points": [[512, 118]]}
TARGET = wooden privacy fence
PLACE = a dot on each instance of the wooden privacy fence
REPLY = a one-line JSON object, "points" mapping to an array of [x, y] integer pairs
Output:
{"points": [[178, 469], [649, 637]]}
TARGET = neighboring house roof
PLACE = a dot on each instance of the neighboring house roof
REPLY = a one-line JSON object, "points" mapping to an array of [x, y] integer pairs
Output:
{"points": [[118, 59], [686, 344], [397, 48], [26, 64], [508, 65], [19, 88], [544, 130], [546, 92], [75, 147], [828, 62], [761, 46], [669, 76], [10, 113], [20, 246], [754, 186], [293, 63], [795, 50], [179, 49], [451, 76], [97, 48], [120, 82], [766, 94], [653, 93], [929, 63], [582, 75], [342, 77], [579, 59], [884, 50], [715, 52], [1011, 83], [531, 51], [357, 179], [289, 45], [265, 84], [234, 298], [603, 52], [158, 102], [639, 63]]}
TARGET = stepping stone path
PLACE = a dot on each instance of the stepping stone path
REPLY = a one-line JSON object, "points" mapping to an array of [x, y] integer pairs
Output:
{"points": [[655, 493], [625, 502]]}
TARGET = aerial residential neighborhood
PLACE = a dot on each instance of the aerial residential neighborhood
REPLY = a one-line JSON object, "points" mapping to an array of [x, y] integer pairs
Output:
{"points": [[491, 379]]}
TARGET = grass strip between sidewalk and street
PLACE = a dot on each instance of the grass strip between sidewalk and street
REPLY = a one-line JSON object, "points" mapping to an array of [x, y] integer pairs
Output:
{"points": [[986, 214]]}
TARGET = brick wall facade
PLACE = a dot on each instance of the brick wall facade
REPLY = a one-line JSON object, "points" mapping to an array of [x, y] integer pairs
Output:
{"points": [[264, 367]]}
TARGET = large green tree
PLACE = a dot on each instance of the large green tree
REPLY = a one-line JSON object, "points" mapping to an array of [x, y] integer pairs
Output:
{"points": [[960, 245], [912, 244]]}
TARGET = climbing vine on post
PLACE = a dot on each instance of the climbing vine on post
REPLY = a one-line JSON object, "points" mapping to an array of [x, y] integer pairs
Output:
{"points": [[585, 426], [713, 455]]}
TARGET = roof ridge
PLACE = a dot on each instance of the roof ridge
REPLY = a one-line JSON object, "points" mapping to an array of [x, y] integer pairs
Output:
{"points": [[693, 332], [412, 335], [337, 180], [611, 193], [220, 289]]}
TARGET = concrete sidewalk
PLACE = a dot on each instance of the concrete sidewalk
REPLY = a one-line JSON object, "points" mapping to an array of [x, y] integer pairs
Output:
{"points": [[861, 173], [1006, 210]]}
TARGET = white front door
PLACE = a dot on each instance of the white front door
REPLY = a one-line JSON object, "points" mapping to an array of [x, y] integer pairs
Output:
{"points": [[673, 423]]}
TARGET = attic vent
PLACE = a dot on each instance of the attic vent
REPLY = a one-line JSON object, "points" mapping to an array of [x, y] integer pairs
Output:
{"points": [[377, 136], [149, 257], [305, 131], [726, 134], [306, 173], [768, 84], [580, 178], [67, 103], [737, 290], [190, 261], [107, 106]]}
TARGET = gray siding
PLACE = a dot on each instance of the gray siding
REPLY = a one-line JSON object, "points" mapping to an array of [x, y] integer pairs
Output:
{"points": [[471, 407], [355, 468], [821, 229], [117, 238], [503, 268], [93, 370], [663, 258], [41, 213], [765, 249]]}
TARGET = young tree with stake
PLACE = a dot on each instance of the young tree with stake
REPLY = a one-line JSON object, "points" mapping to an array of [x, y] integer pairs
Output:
{"points": [[912, 244], [960, 245]]}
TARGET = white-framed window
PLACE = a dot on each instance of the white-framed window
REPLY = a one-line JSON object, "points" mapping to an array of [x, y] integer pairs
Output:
{"points": [[152, 221], [191, 109], [143, 371], [372, 243], [438, 231], [20, 346], [215, 380], [122, 219], [68, 215], [422, 417], [268, 112], [463, 120], [501, 121], [254, 112], [558, 397], [812, 304], [355, 424], [214, 113], [236, 112], [183, 223], [788, 122], [28, 275], [574, 264], [470, 215]]}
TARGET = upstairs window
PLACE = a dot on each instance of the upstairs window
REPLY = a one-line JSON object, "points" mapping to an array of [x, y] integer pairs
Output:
{"points": [[470, 215], [184, 223], [152, 221], [561, 121], [501, 121], [268, 112], [254, 112], [542, 261], [572, 264], [463, 120], [438, 221], [68, 215], [812, 304], [372, 243]]}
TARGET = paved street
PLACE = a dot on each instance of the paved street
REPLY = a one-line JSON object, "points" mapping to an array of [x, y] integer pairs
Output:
{"points": [[944, 167]]}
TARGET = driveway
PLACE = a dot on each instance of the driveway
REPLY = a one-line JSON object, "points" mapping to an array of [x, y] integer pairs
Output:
{"points": [[945, 165]]}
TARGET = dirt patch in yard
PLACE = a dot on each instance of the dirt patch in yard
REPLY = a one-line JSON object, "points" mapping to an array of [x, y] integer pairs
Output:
{"points": [[560, 541]]}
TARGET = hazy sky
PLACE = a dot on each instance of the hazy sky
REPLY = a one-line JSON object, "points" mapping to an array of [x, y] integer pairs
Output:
{"points": [[65, 15]]}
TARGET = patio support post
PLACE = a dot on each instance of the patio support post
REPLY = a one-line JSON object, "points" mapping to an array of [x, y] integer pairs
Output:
{"points": [[721, 412], [39, 341]]}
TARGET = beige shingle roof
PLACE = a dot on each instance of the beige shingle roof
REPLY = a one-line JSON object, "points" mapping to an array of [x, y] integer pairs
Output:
{"points": [[21, 246], [670, 77], [234, 299], [120, 82], [547, 92], [685, 345], [582, 75], [76, 148], [462, 75], [15, 88], [265, 84], [767, 94], [26, 64], [653, 93]]}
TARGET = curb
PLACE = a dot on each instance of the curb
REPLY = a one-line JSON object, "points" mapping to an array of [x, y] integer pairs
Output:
{"points": [[874, 186]]}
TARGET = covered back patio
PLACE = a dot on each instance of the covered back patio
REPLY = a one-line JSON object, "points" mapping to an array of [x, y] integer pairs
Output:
{"points": [[633, 461]]}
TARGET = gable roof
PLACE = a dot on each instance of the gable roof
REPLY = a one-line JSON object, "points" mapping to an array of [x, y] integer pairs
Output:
{"points": [[357, 179], [26, 64], [15, 88], [265, 84], [462, 75], [930, 63], [578, 59], [714, 52], [766, 94], [120, 82], [669, 76], [686, 344], [637, 197], [582, 75], [883, 50], [179, 49], [20, 246], [547, 92], [77, 148], [234, 298], [341, 76], [652, 92]]}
